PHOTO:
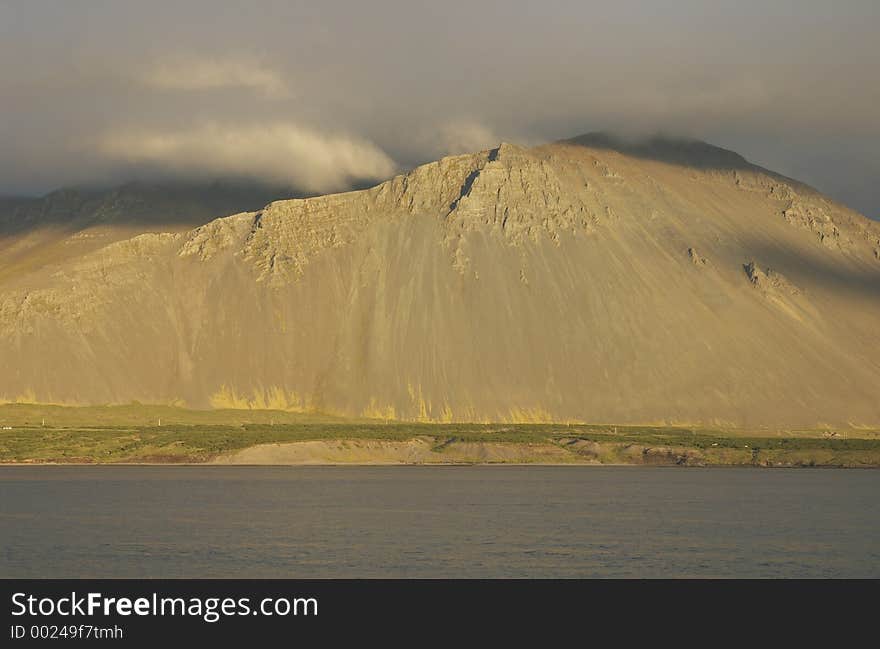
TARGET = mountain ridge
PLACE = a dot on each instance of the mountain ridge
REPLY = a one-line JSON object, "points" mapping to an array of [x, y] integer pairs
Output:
{"points": [[556, 283]]}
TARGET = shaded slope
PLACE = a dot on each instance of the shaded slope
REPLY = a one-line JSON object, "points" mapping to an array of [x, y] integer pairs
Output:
{"points": [[71, 222]]}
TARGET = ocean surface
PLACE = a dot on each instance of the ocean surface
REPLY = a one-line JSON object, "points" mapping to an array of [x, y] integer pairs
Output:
{"points": [[489, 521]]}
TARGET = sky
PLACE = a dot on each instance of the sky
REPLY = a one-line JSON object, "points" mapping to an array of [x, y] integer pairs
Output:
{"points": [[325, 95]]}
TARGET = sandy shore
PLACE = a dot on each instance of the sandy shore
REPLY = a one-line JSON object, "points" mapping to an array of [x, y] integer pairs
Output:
{"points": [[414, 451]]}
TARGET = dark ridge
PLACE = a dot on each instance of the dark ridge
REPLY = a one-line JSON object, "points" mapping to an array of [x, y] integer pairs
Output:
{"points": [[137, 203], [674, 150]]}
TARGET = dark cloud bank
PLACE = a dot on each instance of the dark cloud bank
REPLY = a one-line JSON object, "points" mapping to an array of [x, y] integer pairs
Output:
{"points": [[323, 95]]}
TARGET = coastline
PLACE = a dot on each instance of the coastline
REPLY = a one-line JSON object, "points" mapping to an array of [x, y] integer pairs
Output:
{"points": [[378, 453], [219, 465], [138, 435]]}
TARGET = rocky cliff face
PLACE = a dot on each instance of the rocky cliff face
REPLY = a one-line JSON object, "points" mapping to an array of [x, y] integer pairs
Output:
{"points": [[582, 280]]}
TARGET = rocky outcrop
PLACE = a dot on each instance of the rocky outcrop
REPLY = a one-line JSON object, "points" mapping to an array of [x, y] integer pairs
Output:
{"points": [[768, 280]]}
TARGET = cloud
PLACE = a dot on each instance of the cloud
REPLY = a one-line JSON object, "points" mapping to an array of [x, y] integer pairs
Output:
{"points": [[215, 74], [794, 91], [283, 152]]}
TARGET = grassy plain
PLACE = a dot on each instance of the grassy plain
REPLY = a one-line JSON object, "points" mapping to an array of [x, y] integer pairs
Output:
{"points": [[133, 434]]}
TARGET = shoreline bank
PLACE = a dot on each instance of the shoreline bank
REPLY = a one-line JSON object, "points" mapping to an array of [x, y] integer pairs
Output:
{"points": [[445, 453], [141, 435]]}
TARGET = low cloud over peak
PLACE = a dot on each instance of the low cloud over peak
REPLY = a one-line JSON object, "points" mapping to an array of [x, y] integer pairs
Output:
{"points": [[794, 90], [279, 152]]}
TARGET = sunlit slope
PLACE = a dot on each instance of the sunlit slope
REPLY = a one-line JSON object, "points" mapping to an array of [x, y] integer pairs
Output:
{"points": [[573, 281]]}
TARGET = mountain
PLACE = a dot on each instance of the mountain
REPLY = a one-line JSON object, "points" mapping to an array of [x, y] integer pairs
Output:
{"points": [[593, 279], [70, 222]]}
